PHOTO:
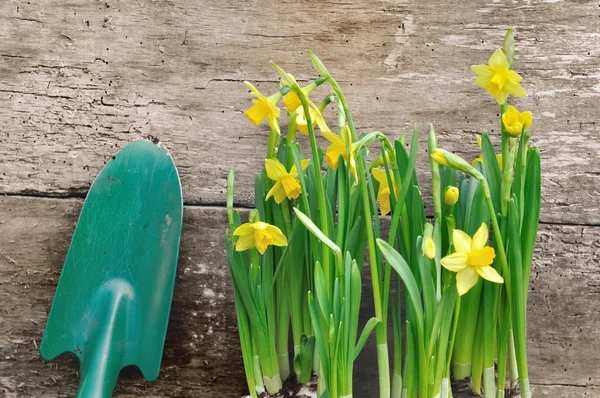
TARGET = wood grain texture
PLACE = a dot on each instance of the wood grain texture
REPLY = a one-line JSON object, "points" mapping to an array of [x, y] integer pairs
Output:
{"points": [[80, 79], [202, 355]]}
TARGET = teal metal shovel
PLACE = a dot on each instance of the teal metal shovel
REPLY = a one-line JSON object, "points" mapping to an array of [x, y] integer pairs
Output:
{"points": [[113, 298]]}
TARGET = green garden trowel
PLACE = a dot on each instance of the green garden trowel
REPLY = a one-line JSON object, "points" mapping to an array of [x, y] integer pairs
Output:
{"points": [[113, 298]]}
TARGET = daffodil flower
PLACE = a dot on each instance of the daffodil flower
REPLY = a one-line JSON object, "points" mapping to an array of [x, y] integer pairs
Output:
{"points": [[315, 117], [338, 147], [472, 259], [451, 195], [291, 101], [429, 248], [384, 190], [498, 79], [264, 107], [439, 157], [286, 184], [515, 121], [260, 235]]}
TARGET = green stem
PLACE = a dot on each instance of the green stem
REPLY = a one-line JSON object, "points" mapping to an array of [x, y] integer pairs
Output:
{"points": [[512, 358], [381, 329], [273, 140], [437, 209], [503, 109]]}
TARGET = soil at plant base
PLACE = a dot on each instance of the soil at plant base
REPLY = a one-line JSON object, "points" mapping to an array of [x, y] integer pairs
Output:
{"points": [[461, 389], [292, 389]]}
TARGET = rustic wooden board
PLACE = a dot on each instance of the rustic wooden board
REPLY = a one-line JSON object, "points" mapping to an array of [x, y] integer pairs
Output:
{"points": [[202, 356], [80, 79]]}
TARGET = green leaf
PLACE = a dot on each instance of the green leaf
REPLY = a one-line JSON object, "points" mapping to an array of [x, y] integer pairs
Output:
{"points": [[321, 290], [427, 283], [319, 337], [303, 360], [364, 336], [509, 47], [401, 267], [531, 217], [492, 170], [317, 232]]}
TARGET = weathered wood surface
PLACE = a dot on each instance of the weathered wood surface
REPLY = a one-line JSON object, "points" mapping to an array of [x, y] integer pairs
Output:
{"points": [[202, 358], [81, 79]]}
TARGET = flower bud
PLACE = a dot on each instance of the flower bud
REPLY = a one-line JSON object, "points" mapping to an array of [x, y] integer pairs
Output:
{"points": [[254, 216], [451, 196], [428, 245]]}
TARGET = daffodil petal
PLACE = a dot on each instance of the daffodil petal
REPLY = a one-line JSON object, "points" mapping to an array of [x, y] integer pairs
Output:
{"points": [[279, 238], [258, 111], [279, 195], [480, 238], [273, 120], [304, 163], [526, 119], [462, 241], [514, 89], [381, 177], [481, 81], [244, 242], [244, 229], [274, 191], [498, 60], [483, 70], [501, 95], [292, 102], [384, 202], [455, 262], [275, 170], [253, 89], [332, 137], [490, 274], [513, 76], [465, 280]]}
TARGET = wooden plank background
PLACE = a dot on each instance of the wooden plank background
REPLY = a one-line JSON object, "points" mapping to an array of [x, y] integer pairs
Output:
{"points": [[81, 79]]}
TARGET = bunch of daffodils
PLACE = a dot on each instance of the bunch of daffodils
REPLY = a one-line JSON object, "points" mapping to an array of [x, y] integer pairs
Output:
{"points": [[455, 292]]}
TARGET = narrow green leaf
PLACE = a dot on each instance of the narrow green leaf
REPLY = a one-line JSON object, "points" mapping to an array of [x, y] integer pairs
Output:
{"points": [[531, 217], [492, 170], [401, 267], [317, 232], [364, 336], [319, 337]]}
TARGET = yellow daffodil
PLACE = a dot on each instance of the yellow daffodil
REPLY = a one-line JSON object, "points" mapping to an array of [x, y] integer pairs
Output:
{"points": [[384, 190], [291, 101], [429, 248], [264, 107], [498, 79], [286, 184], [338, 147], [260, 235], [472, 259], [427, 244], [439, 157], [515, 121], [315, 117], [451, 196], [480, 159]]}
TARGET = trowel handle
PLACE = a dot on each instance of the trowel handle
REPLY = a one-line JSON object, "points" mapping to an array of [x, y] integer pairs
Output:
{"points": [[98, 377]]}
